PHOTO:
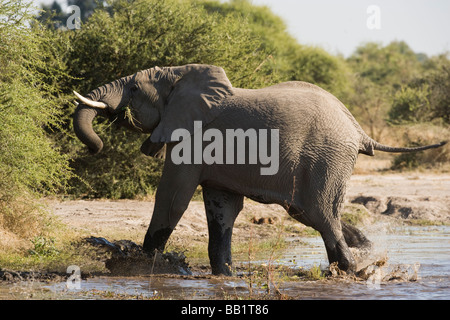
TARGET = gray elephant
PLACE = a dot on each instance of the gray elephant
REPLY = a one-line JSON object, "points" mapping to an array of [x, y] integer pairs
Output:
{"points": [[313, 136]]}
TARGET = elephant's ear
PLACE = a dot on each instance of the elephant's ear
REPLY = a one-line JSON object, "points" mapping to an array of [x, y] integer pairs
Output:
{"points": [[196, 96]]}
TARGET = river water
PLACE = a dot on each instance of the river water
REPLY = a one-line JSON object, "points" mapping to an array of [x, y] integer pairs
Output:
{"points": [[422, 252]]}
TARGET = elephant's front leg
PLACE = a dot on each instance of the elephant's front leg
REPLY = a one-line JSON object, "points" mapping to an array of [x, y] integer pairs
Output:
{"points": [[222, 208], [176, 188]]}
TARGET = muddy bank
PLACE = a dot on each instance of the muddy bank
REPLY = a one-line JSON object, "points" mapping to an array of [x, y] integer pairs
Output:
{"points": [[407, 197], [126, 258]]}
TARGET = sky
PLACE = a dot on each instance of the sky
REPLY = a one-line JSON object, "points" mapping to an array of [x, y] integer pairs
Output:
{"points": [[340, 26]]}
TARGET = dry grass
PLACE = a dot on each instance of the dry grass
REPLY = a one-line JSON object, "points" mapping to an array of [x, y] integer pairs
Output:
{"points": [[20, 220]]}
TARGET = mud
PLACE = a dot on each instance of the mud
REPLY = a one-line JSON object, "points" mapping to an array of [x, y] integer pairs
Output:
{"points": [[126, 258]]}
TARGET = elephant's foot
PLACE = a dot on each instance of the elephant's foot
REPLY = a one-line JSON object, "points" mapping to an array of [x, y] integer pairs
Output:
{"points": [[157, 241], [221, 268], [219, 249], [360, 246], [345, 259], [340, 253]]}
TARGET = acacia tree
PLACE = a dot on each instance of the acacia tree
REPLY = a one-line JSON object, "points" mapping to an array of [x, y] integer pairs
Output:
{"points": [[425, 98], [379, 72], [30, 163]]}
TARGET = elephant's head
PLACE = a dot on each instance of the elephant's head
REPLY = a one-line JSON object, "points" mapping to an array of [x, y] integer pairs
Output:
{"points": [[156, 101]]}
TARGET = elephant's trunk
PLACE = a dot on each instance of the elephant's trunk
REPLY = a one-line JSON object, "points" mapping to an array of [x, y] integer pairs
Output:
{"points": [[82, 124]]}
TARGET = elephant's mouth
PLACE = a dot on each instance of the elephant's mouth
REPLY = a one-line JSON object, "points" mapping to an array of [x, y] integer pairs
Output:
{"points": [[125, 118], [84, 116]]}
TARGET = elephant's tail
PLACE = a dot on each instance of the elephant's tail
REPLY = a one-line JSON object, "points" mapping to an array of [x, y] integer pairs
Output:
{"points": [[370, 145]]}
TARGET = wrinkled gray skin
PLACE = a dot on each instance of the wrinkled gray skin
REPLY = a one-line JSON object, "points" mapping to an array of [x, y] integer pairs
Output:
{"points": [[319, 144]]}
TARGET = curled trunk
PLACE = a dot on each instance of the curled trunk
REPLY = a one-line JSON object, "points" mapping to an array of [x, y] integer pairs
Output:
{"points": [[82, 124]]}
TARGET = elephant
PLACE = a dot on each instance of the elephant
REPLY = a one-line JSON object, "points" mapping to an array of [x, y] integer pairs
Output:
{"points": [[314, 136]]}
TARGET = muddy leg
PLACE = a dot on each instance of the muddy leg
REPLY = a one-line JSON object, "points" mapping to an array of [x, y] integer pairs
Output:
{"points": [[178, 184], [332, 235], [222, 209], [338, 250]]}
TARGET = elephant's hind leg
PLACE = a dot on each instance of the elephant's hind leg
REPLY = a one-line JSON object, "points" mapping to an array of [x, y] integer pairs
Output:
{"points": [[331, 231], [337, 248], [222, 208]]}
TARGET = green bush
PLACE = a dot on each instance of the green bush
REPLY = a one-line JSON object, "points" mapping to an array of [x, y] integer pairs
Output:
{"points": [[30, 163], [394, 85], [410, 105]]}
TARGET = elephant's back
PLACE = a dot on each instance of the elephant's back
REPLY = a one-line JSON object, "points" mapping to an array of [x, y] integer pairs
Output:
{"points": [[293, 106], [306, 116]]}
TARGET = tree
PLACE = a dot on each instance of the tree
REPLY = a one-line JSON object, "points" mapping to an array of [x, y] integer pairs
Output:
{"points": [[425, 98], [392, 65], [52, 15], [287, 60], [30, 164], [379, 72]]}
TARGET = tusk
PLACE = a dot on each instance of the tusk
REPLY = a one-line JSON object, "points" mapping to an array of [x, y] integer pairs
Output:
{"points": [[89, 102]]}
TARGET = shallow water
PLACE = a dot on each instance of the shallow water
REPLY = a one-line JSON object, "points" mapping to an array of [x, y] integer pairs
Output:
{"points": [[423, 251], [426, 249]]}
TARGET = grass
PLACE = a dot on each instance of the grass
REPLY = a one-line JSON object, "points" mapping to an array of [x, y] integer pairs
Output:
{"points": [[355, 214], [425, 222], [51, 255], [48, 245]]}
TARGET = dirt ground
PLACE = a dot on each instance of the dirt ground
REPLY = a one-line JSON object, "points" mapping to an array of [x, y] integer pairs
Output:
{"points": [[398, 196]]}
